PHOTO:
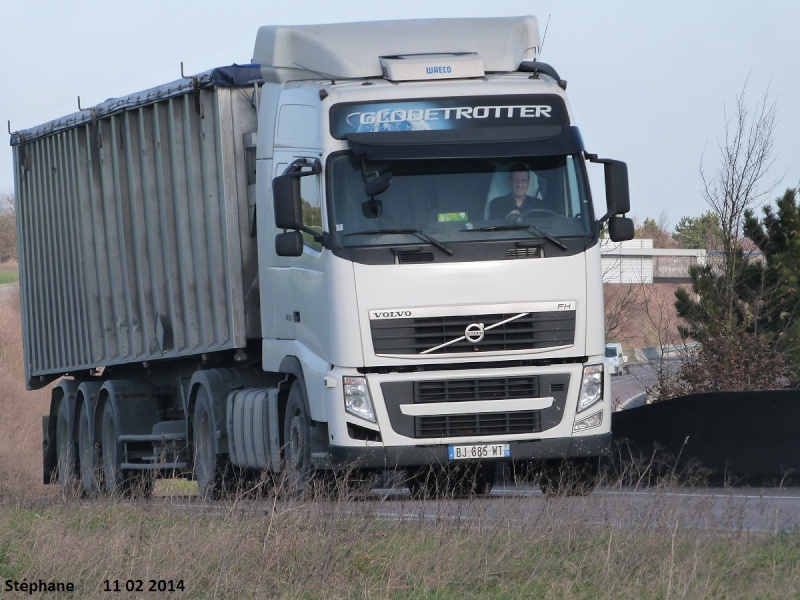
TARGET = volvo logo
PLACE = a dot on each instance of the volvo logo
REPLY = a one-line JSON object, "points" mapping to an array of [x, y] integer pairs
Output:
{"points": [[474, 332]]}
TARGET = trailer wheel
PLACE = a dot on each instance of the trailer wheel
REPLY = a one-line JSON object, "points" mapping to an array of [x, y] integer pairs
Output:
{"points": [[114, 477], [66, 454], [210, 469], [88, 454], [296, 443]]}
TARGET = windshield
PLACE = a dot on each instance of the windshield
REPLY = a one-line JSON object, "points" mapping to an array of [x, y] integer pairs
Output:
{"points": [[458, 200]]}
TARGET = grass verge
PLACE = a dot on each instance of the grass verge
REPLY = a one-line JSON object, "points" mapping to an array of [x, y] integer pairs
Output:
{"points": [[347, 550], [9, 273]]}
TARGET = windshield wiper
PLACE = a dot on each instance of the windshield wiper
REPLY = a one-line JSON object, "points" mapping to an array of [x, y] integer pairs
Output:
{"points": [[420, 234], [553, 240]]}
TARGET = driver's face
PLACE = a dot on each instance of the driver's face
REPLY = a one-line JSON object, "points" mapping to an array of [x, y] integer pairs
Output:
{"points": [[519, 182]]}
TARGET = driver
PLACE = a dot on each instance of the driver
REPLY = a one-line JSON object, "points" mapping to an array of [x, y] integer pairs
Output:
{"points": [[518, 201]]}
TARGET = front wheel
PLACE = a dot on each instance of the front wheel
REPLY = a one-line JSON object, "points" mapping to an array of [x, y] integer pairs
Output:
{"points": [[211, 470], [296, 443]]}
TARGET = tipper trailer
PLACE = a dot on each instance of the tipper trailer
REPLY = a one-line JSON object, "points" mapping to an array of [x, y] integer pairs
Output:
{"points": [[311, 264]]}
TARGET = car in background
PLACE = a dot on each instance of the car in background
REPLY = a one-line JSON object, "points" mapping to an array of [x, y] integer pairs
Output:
{"points": [[617, 361]]}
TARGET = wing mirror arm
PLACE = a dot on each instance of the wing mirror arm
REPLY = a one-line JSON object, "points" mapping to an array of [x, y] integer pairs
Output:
{"points": [[618, 199]]}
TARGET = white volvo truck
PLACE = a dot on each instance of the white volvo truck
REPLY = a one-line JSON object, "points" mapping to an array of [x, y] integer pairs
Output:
{"points": [[312, 264]]}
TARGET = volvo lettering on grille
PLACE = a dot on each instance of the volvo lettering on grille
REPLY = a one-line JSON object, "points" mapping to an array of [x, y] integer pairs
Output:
{"points": [[474, 332]]}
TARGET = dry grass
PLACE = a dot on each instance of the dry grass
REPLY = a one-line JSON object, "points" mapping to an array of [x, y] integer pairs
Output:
{"points": [[531, 548], [649, 544], [20, 411]]}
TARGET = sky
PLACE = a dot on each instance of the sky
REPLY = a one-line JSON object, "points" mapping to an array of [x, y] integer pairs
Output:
{"points": [[649, 83]]}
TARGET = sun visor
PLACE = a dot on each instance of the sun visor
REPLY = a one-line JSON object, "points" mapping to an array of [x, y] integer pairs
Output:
{"points": [[500, 142]]}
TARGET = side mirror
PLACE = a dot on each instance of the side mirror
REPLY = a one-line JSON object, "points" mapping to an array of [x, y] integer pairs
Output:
{"points": [[618, 199], [289, 243], [286, 202], [620, 229]]}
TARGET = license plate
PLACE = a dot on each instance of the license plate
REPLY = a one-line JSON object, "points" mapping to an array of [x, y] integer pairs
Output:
{"points": [[478, 451]]}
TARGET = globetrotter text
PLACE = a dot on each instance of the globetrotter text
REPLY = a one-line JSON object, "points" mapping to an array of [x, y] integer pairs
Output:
{"points": [[398, 115]]}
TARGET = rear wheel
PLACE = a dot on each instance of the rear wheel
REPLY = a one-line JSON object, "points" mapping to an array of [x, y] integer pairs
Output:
{"points": [[89, 456], [115, 478], [66, 451]]}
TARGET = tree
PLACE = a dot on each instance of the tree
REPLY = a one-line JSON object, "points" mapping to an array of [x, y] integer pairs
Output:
{"points": [[777, 236], [758, 343], [698, 232], [730, 305], [746, 155], [8, 229], [658, 231]]}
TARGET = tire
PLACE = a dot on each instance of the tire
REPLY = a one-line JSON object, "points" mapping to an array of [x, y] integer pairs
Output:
{"points": [[570, 476], [211, 470], [66, 452], [89, 457], [114, 478], [296, 444]]}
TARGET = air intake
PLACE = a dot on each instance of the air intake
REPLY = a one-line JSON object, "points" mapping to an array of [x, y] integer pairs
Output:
{"points": [[532, 252], [405, 258]]}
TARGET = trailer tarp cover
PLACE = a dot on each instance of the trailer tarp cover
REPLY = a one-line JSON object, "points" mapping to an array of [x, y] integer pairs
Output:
{"points": [[228, 76]]}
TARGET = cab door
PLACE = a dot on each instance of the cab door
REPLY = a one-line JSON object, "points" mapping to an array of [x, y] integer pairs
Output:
{"points": [[298, 282]]}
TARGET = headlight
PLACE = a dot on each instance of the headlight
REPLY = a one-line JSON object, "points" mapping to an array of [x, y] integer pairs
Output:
{"points": [[356, 398], [591, 387]]}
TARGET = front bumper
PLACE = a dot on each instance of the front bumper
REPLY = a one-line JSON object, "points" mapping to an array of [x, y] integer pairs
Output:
{"points": [[383, 457]]}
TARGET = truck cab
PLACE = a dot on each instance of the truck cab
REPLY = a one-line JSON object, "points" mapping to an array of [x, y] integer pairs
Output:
{"points": [[430, 325]]}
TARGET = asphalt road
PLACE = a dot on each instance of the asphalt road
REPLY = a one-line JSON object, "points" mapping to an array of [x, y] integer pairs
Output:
{"points": [[732, 510], [630, 390], [714, 509]]}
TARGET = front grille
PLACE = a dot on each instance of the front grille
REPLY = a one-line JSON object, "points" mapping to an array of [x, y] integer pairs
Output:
{"points": [[460, 390], [397, 394], [446, 335], [442, 426]]}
